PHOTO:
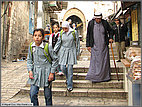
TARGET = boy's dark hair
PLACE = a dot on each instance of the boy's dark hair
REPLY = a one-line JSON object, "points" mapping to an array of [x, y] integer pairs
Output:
{"points": [[55, 23], [41, 30]]}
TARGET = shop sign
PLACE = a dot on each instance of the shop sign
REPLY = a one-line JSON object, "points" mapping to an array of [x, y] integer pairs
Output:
{"points": [[52, 3], [134, 25]]}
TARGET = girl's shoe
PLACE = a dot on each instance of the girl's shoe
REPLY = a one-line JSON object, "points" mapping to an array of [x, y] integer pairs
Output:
{"points": [[69, 89]]}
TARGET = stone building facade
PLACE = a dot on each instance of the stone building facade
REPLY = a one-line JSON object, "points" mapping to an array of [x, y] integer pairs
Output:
{"points": [[15, 27], [81, 12]]}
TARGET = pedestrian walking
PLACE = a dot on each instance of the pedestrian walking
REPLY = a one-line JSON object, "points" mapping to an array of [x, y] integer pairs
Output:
{"points": [[68, 48], [70, 23], [97, 42], [53, 38], [48, 32], [120, 32], [41, 64], [74, 26]]}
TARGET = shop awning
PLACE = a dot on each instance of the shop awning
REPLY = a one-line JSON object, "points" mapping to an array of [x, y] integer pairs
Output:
{"points": [[125, 5], [52, 6], [117, 14]]}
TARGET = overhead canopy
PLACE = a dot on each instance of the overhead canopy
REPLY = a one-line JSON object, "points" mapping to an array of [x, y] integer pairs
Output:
{"points": [[117, 14], [125, 5], [52, 6], [124, 8]]}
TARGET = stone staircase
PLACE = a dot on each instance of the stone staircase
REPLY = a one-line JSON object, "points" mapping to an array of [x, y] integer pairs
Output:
{"points": [[24, 49], [113, 89], [85, 55]]}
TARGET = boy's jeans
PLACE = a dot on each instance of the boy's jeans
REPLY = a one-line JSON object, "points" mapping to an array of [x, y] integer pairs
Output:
{"points": [[47, 94], [69, 74]]}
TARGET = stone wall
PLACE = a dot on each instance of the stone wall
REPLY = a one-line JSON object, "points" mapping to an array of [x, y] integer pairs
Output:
{"points": [[2, 11], [4, 27], [18, 28]]}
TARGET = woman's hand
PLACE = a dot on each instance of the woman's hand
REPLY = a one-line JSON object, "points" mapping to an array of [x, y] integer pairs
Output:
{"points": [[51, 77], [89, 49], [31, 75]]}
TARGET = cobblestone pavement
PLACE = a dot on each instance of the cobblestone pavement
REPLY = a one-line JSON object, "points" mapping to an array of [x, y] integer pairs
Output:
{"points": [[14, 75], [71, 101]]}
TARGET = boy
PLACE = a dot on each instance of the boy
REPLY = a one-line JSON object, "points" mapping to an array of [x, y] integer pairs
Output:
{"points": [[40, 67]]}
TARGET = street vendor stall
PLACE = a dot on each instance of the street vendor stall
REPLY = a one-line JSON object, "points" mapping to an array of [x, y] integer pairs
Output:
{"points": [[133, 75]]}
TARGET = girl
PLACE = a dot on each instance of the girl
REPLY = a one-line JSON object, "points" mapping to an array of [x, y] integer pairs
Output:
{"points": [[40, 67], [53, 40], [68, 45], [54, 36]]}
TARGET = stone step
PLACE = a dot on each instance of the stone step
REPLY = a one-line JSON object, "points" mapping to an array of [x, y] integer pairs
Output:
{"points": [[115, 57], [81, 58], [87, 58], [73, 101], [81, 76], [23, 55], [85, 48], [29, 40], [24, 51], [85, 53], [86, 84], [77, 92], [85, 69], [84, 44], [25, 47]]}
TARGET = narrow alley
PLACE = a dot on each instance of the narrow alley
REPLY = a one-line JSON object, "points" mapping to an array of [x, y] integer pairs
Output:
{"points": [[20, 18], [16, 90]]}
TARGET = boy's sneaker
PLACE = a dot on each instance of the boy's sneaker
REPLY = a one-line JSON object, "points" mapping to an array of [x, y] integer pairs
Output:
{"points": [[60, 73]]}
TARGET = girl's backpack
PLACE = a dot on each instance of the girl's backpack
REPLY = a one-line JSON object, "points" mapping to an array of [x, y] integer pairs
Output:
{"points": [[53, 34], [73, 33], [46, 53]]}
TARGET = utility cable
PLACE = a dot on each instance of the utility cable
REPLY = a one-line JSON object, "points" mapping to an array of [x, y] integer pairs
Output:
{"points": [[5, 10]]}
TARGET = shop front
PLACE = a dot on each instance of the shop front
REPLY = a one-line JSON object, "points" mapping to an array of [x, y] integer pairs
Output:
{"points": [[132, 61], [133, 20]]}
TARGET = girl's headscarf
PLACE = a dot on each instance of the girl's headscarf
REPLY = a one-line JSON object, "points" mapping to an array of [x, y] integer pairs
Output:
{"points": [[66, 24]]}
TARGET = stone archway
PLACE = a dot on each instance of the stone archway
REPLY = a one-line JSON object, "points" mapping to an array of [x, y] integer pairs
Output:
{"points": [[78, 13]]}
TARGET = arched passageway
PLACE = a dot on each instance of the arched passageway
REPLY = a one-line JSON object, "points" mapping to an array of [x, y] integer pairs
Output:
{"points": [[78, 22], [77, 17]]}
